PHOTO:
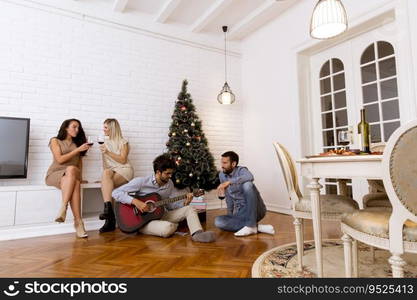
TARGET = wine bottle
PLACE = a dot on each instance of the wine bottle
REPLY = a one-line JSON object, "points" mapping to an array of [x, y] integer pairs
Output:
{"points": [[363, 130]]}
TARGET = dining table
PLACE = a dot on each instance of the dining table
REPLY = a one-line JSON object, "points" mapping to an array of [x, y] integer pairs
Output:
{"points": [[338, 167]]}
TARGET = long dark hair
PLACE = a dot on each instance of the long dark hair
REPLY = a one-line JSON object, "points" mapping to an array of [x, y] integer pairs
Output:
{"points": [[78, 140]]}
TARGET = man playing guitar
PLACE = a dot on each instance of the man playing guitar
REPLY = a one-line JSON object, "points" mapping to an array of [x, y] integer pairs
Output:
{"points": [[160, 182]]}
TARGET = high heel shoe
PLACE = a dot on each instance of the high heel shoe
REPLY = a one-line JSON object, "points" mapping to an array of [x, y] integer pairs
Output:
{"points": [[62, 213], [79, 229]]}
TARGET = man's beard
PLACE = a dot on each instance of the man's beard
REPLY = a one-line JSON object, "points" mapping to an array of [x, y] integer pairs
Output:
{"points": [[228, 171]]}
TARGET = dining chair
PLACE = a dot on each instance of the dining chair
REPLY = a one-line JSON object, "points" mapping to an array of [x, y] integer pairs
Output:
{"points": [[390, 229], [377, 196], [333, 206]]}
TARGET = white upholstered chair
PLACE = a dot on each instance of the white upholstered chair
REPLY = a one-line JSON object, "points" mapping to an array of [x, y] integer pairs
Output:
{"points": [[377, 196], [394, 230], [333, 206]]}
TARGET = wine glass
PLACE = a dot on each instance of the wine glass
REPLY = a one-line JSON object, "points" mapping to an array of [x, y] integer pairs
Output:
{"points": [[343, 137], [90, 141], [100, 139], [221, 195]]}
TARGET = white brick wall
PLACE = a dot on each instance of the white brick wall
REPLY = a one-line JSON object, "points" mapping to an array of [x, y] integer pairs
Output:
{"points": [[54, 67]]}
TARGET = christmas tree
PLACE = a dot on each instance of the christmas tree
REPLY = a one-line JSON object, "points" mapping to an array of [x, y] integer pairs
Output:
{"points": [[189, 148]]}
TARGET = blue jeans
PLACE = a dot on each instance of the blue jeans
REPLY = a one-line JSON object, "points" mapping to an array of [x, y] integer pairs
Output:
{"points": [[248, 213]]}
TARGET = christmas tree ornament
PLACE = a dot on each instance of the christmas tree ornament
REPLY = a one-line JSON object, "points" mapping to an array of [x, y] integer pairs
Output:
{"points": [[183, 108], [178, 181], [185, 130], [188, 144], [193, 124], [174, 134], [191, 175]]}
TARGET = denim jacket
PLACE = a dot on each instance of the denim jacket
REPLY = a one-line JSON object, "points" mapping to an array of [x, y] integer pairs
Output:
{"points": [[234, 194]]}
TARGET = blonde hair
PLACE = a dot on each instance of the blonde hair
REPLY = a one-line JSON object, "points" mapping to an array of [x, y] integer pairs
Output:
{"points": [[115, 130]]}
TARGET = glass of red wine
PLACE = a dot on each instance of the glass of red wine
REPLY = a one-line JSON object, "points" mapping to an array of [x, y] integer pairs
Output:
{"points": [[90, 141], [221, 195], [100, 139]]}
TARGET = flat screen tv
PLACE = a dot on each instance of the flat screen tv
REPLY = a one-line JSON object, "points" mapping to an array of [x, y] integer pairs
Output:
{"points": [[14, 145]]}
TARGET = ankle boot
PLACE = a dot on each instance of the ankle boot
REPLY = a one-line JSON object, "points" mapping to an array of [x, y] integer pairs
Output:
{"points": [[62, 213], [106, 212], [110, 223]]}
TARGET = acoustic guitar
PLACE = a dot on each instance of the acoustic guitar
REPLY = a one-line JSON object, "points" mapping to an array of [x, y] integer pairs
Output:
{"points": [[131, 219]]}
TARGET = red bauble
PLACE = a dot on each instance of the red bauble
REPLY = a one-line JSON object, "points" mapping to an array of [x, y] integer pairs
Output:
{"points": [[183, 108]]}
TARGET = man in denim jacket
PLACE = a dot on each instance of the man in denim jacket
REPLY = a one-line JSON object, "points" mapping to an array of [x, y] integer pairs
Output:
{"points": [[245, 207]]}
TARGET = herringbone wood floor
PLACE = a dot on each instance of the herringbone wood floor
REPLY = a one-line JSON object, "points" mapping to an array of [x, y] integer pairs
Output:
{"points": [[119, 255]]}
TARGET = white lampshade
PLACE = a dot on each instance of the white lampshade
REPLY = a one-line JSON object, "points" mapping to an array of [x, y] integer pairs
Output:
{"points": [[329, 19], [226, 96]]}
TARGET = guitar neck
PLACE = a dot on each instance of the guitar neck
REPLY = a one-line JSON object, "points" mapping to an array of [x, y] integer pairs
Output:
{"points": [[170, 200]]}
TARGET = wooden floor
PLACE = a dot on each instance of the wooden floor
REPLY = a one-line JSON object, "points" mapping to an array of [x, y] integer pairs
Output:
{"points": [[119, 255]]}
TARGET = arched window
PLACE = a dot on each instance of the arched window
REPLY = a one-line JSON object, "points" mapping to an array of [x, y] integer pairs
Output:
{"points": [[334, 116], [380, 90]]}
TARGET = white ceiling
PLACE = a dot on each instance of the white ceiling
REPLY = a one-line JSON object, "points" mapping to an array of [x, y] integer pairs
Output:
{"points": [[204, 17]]}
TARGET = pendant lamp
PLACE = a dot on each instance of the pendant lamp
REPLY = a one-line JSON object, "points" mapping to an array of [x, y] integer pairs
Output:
{"points": [[225, 96], [329, 19]]}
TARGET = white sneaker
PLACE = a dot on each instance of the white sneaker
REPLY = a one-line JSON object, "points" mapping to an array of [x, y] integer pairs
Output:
{"points": [[245, 231], [266, 228]]}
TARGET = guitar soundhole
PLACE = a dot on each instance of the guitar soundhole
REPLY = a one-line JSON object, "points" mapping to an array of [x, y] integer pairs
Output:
{"points": [[151, 205]]}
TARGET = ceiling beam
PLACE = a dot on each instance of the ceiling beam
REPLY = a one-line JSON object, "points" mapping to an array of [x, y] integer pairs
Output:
{"points": [[120, 5], [167, 10], [212, 12], [258, 17]]}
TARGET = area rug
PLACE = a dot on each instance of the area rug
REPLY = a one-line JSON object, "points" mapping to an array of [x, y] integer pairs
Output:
{"points": [[281, 262]]}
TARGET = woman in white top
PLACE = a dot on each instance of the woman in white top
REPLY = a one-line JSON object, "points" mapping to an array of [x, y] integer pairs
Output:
{"points": [[117, 169]]}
